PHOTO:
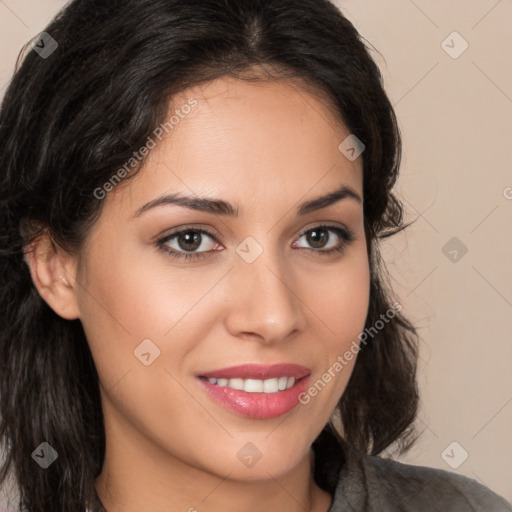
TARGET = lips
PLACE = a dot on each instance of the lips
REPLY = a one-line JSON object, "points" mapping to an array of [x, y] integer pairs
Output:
{"points": [[258, 371], [249, 402]]}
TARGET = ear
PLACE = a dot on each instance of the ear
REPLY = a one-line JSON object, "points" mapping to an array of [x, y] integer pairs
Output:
{"points": [[53, 273]]}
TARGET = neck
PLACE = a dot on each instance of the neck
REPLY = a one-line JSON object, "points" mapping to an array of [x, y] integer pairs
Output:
{"points": [[137, 477]]}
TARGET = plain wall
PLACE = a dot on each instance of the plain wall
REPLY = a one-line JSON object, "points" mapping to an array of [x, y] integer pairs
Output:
{"points": [[456, 119]]}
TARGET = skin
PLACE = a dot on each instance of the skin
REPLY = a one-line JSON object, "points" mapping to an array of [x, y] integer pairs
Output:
{"points": [[266, 147]]}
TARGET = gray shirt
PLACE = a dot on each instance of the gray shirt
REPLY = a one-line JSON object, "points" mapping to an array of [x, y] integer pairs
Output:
{"points": [[373, 484]]}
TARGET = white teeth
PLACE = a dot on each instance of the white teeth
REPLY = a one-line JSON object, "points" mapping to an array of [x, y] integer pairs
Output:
{"points": [[270, 386], [283, 382], [256, 385], [236, 383], [253, 385]]}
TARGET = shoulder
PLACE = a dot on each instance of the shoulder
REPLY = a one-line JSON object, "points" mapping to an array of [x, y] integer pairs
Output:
{"points": [[366, 483], [397, 486]]}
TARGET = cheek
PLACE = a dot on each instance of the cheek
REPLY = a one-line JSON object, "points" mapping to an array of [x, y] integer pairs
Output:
{"points": [[130, 297], [340, 299], [138, 298], [119, 308], [340, 302], [126, 305], [354, 290]]}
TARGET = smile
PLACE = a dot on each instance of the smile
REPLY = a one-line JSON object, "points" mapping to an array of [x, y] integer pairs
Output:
{"points": [[255, 385], [257, 391]]}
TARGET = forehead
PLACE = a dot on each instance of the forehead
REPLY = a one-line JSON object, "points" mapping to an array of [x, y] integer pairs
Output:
{"points": [[244, 141]]}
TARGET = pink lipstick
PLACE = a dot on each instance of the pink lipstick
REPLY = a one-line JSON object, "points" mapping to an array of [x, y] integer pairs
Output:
{"points": [[257, 391]]}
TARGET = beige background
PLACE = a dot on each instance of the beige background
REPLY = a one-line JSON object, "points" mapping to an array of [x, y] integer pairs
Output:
{"points": [[456, 119]]}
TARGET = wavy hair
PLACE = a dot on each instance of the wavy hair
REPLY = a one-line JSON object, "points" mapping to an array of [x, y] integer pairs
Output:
{"points": [[68, 121]]}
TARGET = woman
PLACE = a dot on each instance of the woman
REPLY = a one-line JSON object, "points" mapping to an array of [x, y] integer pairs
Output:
{"points": [[194, 314]]}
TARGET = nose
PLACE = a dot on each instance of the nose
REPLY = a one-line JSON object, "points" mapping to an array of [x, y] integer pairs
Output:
{"points": [[263, 304]]}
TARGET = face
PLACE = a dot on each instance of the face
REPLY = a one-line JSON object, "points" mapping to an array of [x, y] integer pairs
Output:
{"points": [[173, 295]]}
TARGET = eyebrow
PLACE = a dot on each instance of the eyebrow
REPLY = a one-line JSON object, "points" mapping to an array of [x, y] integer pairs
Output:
{"points": [[220, 207]]}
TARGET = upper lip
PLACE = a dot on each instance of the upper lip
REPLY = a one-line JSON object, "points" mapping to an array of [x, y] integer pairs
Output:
{"points": [[259, 371]]}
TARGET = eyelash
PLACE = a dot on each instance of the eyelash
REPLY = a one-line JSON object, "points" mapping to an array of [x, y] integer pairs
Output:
{"points": [[345, 234]]}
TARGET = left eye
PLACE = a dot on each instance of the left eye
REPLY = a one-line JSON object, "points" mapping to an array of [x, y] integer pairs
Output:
{"points": [[318, 235], [191, 239]]}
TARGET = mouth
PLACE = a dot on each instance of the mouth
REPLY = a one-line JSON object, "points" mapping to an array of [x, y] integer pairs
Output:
{"points": [[254, 385], [257, 391]]}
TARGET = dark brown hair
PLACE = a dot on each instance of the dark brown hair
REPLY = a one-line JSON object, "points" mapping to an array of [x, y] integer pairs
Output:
{"points": [[70, 120]]}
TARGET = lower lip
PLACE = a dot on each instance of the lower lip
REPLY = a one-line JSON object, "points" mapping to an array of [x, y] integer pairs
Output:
{"points": [[257, 405]]}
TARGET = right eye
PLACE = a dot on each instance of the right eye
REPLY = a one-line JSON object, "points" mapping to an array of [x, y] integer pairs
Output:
{"points": [[191, 237]]}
